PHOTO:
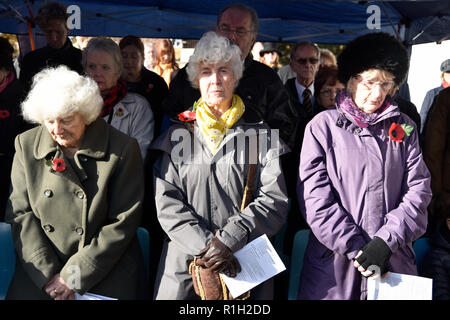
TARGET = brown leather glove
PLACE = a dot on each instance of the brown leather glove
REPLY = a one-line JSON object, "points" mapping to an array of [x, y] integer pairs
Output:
{"points": [[218, 257]]}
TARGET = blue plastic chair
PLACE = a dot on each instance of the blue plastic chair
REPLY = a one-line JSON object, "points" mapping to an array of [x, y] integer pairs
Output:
{"points": [[7, 258], [298, 251], [421, 247], [144, 241]]}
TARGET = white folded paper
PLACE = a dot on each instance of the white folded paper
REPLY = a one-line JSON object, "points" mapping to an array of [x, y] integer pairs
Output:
{"points": [[259, 261], [398, 286], [92, 296]]}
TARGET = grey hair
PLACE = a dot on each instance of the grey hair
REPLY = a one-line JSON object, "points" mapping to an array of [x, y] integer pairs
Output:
{"points": [[304, 44], [106, 45], [241, 7], [213, 48], [60, 92]]}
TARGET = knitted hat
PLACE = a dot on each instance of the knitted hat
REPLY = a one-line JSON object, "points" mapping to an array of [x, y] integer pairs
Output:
{"points": [[373, 51]]}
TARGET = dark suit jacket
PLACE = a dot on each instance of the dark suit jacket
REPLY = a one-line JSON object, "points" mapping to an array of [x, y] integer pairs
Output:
{"points": [[36, 60], [155, 90]]}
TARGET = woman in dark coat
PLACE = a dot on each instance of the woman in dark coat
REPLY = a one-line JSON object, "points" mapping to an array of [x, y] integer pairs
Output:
{"points": [[141, 80], [77, 190], [11, 122]]}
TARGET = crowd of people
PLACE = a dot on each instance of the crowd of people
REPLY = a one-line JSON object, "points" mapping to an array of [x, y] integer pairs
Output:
{"points": [[102, 139]]}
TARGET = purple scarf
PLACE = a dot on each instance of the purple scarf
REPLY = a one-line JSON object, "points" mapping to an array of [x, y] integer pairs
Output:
{"points": [[345, 102], [8, 79]]}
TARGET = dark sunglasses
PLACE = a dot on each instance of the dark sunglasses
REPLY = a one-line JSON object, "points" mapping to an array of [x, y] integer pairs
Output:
{"points": [[304, 60]]}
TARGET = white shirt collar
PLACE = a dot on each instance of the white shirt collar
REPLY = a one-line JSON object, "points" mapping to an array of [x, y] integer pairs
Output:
{"points": [[301, 88]]}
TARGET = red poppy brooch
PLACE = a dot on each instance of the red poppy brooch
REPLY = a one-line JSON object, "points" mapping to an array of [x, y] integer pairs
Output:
{"points": [[119, 112], [398, 131], [4, 114], [187, 116], [149, 88], [58, 165]]}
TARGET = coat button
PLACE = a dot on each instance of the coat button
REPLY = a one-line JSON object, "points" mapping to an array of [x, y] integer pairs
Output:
{"points": [[357, 130], [79, 230], [48, 193], [80, 194], [48, 228], [84, 159]]}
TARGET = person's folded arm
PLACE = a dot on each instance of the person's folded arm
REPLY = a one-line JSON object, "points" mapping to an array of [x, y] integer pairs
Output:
{"points": [[267, 212], [408, 221], [98, 258]]}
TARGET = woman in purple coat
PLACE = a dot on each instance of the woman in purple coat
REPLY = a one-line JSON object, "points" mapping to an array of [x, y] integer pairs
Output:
{"points": [[363, 186]]}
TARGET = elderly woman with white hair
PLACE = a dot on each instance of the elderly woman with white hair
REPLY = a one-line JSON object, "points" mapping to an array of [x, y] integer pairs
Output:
{"points": [[125, 111], [76, 198], [202, 171]]}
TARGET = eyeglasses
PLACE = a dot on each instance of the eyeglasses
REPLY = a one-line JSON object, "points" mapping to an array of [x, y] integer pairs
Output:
{"points": [[329, 92], [304, 60], [370, 85], [240, 32]]}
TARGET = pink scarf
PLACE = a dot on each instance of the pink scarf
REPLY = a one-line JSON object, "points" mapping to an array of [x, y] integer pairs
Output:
{"points": [[9, 78]]}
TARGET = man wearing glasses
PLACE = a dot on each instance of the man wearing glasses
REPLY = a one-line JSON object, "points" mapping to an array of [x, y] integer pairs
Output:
{"points": [[260, 87], [305, 58]]}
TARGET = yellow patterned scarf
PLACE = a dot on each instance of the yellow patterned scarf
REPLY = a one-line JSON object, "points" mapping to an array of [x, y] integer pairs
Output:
{"points": [[214, 129]]}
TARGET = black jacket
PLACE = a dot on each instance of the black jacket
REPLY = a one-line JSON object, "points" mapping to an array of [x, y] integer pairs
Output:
{"points": [[155, 90], [290, 162], [299, 115], [428, 101], [10, 127], [408, 108], [260, 89], [436, 264], [36, 60]]}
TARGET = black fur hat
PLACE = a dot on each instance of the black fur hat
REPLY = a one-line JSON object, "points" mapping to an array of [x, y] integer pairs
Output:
{"points": [[373, 51]]}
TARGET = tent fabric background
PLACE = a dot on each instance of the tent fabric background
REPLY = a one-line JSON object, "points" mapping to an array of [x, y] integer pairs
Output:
{"points": [[280, 21]]}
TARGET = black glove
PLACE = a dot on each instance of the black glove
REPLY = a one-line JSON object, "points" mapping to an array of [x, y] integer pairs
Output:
{"points": [[376, 253], [219, 258]]}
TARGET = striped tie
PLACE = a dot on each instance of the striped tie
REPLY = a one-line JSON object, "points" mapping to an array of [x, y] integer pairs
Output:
{"points": [[307, 101]]}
